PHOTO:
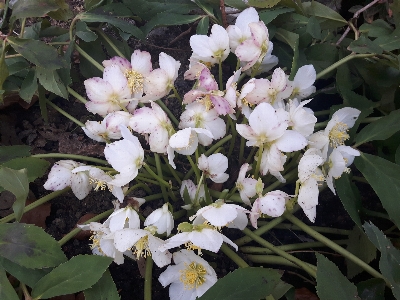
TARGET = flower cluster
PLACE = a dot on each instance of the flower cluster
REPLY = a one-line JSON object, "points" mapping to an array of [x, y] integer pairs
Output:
{"points": [[269, 116]]}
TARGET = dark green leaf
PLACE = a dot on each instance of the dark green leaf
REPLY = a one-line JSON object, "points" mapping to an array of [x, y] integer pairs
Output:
{"points": [[62, 13], [168, 19], [397, 155], [84, 32], [79, 273], [10, 152], [104, 289], [33, 31], [16, 182], [202, 27], [372, 289], [395, 9], [36, 167], [359, 244], [38, 53], [90, 4], [389, 263], [269, 15], [331, 283], [246, 283], [32, 8], [365, 45], [3, 72], [313, 28], [7, 292], [350, 197], [43, 103], [263, 3], [16, 64], [329, 19], [322, 56], [376, 29], [51, 81], [389, 42], [87, 69], [206, 7], [384, 177], [29, 86], [29, 246], [25, 275], [292, 39], [380, 129]]}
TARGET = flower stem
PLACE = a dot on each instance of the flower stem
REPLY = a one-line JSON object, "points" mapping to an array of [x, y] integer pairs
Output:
{"points": [[76, 95], [332, 245], [65, 114], [217, 145], [274, 260], [233, 256], [172, 170], [194, 168], [176, 94], [305, 266], [196, 196], [112, 45], [234, 134], [138, 185], [75, 231], [158, 178], [160, 174], [221, 84], [71, 156], [88, 57], [168, 112], [148, 278], [35, 204], [316, 228], [257, 170]]}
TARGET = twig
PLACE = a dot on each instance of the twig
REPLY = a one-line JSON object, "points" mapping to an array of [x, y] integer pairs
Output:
{"points": [[223, 12], [355, 16], [181, 35]]}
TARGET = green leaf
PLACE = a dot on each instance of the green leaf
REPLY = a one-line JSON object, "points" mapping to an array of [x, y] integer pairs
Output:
{"points": [[62, 13], [269, 15], [25, 275], [350, 197], [79, 273], [119, 23], [263, 3], [16, 64], [292, 39], [36, 167], [389, 263], [328, 18], [389, 42], [376, 29], [372, 289], [86, 67], [331, 283], [313, 28], [90, 4], [29, 86], [29, 246], [32, 8], [104, 289], [38, 53], [43, 103], [322, 56], [364, 45], [51, 81], [245, 283], [168, 19], [397, 155], [384, 177], [84, 32], [359, 244], [380, 129], [7, 292], [202, 27], [16, 182], [10, 152], [3, 71]]}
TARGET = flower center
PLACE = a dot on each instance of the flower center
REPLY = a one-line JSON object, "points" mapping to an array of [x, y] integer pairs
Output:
{"points": [[96, 237], [192, 247], [206, 101], [193, 275], [135, 80], [142, 248], [338, 134], [99, 184]]}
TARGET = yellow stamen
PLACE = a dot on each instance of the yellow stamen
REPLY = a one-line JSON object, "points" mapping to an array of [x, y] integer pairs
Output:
{"points": [[135, 80], [142, 248], [338, 134], [193, 275]]}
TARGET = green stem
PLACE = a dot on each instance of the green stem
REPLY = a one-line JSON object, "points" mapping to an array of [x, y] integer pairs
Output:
{"points": [[219, 195], [112, 45], [172, 171], [75, 231], [316, 228], [305, 266], [71, 156], [160, 174], [21, 33], [217, 145], [35, 204], [158, 178], [194, 169], [234, 134], [277, 183], [251, 155], [196, 196], [233, 256], [273, 260], [153, 197], [176, 94], [148, 278], [332, 245], [168, 112], [241, 150], [88, 57], [221, 83], [257, 170], [179, 214], [145, 179], [76, 95], [65, 114], [138, 185], [340, 62], [71, 28]]}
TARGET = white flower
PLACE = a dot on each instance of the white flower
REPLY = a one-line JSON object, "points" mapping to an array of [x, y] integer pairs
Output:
{"points": [[192, 189], [272, 204], [125, 156], [211, 49], [185, 141], [61, 176], [338, 162], [214, 167], [162, 219], [335, 133], [246, 186], [301, 119], [125, 217], [309, 177], [109, 93], [144, 244], [202, 236], [190, 277], [303, 81]]}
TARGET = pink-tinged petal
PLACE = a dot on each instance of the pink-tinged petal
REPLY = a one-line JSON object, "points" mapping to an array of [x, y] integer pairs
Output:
{"points": [[218, 163], [156, 83], [144, 120], [98, 89], [247, 16], [141, 62], [101, 108], [279, 80], [194, 70], [207, 81], [118, 81], [159, 140], [264, 121], [121, 62], [259, 33], [217, 127], [200, 45], [248, 133], [236, 36], [255, 90], [192, 96], [272, 205], [220, 178], [219, 40], [203, 131], [169, 65], [58, 179], [248, 51], [291, 141], [221, 105], [272, 158], [185, 141]]}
